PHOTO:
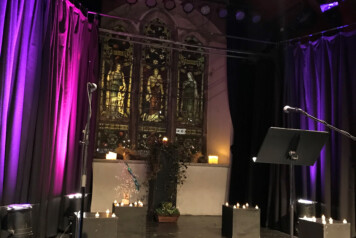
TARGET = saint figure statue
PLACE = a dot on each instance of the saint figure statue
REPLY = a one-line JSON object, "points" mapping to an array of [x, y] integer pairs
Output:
{"points": [[189, 98], [117, 87], [155, 93]]}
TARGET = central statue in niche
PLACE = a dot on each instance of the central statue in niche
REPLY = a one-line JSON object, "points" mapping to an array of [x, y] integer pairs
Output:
{"points": [[154, 96]]}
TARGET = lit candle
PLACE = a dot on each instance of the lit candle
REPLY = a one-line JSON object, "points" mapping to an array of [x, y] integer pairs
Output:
{"points": [[135, 204], [256, 207], [107, 211], [97, 214], [213, 159], [305, 217], [115, 201], [227, 204], [130, 205], [111, 156], [331, 221], [238, 205], [323, 217], [234, 207], [314, 219], [324, 222], [117, 204], [113, 215], [344, 221], [122, 204], [140, 204], [243, 207], [247, 205]]}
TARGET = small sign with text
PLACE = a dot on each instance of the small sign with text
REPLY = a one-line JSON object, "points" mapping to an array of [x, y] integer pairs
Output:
{"points": [[180, 131]]}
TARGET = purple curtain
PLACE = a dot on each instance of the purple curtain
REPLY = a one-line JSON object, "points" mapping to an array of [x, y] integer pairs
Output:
{"points": [[49, 51], [320, 78]]}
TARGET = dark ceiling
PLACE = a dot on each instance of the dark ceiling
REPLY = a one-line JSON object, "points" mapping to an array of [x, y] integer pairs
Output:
{"points": [[280, 19]]}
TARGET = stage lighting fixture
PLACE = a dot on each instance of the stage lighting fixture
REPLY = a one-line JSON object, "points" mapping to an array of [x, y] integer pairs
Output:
{"points": [[131, 1], [256, 18], [222, 12], [306, 208], [169, 4], [151, 3], [205, 10], [240, 15], [188, 7], [327, 6]]}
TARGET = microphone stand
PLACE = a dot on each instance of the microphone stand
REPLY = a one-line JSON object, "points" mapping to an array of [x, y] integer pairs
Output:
{"points": [[345, 133], [84, 156]]}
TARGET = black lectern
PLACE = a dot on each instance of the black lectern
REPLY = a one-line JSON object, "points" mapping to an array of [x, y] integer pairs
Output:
{"points": [[293, 147]]}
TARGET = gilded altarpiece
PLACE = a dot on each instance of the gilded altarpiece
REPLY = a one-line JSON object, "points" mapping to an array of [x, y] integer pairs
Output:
{"points": [[190, 99], [115, 92], [155, 64]]}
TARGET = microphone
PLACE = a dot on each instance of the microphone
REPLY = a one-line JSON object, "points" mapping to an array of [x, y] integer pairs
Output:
{"points": [[92, 87], [288, 109]]}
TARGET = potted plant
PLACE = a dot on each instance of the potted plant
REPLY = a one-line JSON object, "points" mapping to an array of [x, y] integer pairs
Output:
{"points": [[167, 213]]}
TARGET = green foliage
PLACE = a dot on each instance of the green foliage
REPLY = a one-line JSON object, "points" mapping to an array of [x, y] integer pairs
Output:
{"points": [[167, 209], [177, 156]]}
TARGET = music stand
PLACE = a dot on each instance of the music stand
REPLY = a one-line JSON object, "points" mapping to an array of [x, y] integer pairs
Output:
{"points": [[292, 147]]}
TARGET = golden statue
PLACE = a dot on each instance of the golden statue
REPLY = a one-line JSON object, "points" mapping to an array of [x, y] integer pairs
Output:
{"points": [[117, 86]]}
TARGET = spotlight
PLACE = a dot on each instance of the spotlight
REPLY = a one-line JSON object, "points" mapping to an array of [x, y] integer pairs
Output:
{"points": [[131, 1], [240, 15], [256, 18], [169, 4], [222, 12], [205, 10], [188, 7], [327, 6], [151, 3]]}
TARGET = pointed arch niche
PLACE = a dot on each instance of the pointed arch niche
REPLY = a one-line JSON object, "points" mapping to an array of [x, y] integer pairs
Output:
{"points": [[167, 87]]}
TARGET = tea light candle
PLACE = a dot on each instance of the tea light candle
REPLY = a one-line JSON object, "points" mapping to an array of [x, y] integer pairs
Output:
{"points": [[238, 205], [113, 215], [344, 221], [247, 205], [331, 221], [140, 204], [323, 217], [122, 204], [227, 204], [130, 205], [234, 207], [243, 207], [164, 140], [107, 211], [97, 214], [115, 201], [256, 207], [135, 204], [324, 222]]}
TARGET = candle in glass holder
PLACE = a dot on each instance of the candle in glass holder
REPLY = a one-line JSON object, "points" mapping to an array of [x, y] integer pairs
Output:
{"points": [[213, 159]]}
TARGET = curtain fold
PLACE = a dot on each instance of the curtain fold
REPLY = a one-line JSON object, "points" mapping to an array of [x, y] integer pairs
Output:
{"points": [[321, 80], [49, 51]]}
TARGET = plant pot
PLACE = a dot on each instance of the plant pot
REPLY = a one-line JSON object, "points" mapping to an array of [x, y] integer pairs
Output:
{"points": [[167, 218]]}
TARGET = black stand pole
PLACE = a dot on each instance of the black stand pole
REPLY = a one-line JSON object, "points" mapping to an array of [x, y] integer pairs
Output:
{"points": [[91, 87]]}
